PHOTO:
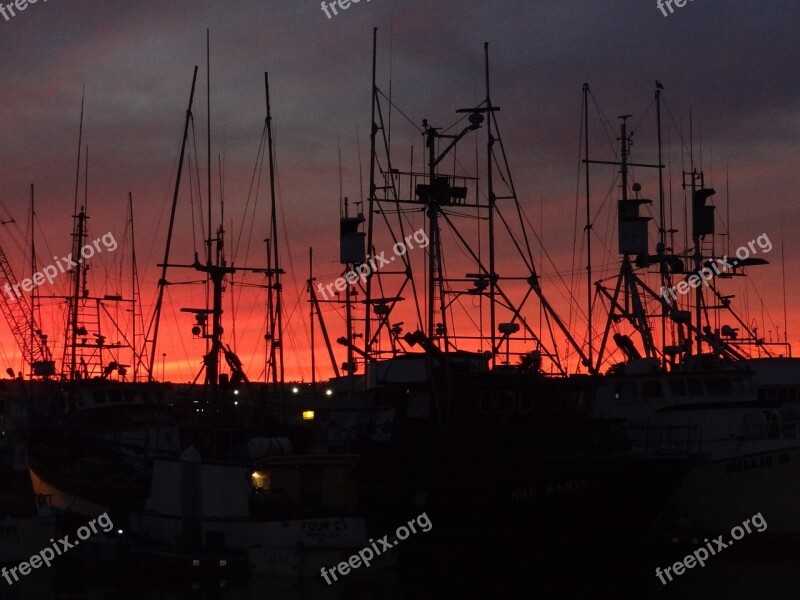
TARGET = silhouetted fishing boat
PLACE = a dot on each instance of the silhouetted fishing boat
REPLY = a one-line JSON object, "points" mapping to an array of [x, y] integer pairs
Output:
{"points": [[696, 388], [489, 448]]}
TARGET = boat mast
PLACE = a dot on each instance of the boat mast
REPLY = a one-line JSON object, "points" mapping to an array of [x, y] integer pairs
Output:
{"points": [[702, 225], [76, 279], [134, 290], [432, 192], [698, 255], [34, 291], [633, 242], [661, 251], [269, 360], [434, 251], [373, 188], [162, 282], [436, 195], [491, 200], [315, 309], [276, 288], [588, 227], [208, 141], [209, 250], [311, 320]]}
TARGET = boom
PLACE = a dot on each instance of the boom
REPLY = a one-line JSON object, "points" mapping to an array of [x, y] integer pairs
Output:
{"points": [[19, 317]]}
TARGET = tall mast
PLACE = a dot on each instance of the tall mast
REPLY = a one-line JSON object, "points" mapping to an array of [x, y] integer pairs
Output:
{"points": [[662, 238], [633, 241], [348, 312], [434, 249], [662, 228], [76, 278], [623, 170], [77, 286], [492, 200], [208, 140], [277, 343], [783, 281], [311, 319], [80, 148], [162, 282], [134, 290], [373, 188], [209, 250], [34, 291], [698, 255], [270, 367], [588, 227], [79, 275]]}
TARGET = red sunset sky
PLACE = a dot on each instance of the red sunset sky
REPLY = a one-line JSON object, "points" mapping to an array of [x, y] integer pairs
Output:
{"points": [[733, 63]]}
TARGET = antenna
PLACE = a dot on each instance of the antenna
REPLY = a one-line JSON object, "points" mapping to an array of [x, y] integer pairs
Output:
{"points": [[80, 146], [339, 144], [785, 314], [34, 290], [360, 171], [208, 139]]}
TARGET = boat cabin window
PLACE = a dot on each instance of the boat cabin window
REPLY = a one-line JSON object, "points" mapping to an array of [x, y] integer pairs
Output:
{"points": [[99, 397], [261, 481], [301, 488]]}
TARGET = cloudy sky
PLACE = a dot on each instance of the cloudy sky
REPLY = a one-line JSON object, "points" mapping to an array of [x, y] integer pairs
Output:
{"points": [[733, 62]]}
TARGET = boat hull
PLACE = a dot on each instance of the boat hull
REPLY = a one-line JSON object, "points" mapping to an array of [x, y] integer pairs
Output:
{"points": [[719, 494]]}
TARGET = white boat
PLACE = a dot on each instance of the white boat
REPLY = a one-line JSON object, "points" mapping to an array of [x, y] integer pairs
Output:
{"points": [[751, 451], [290, 515]]}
